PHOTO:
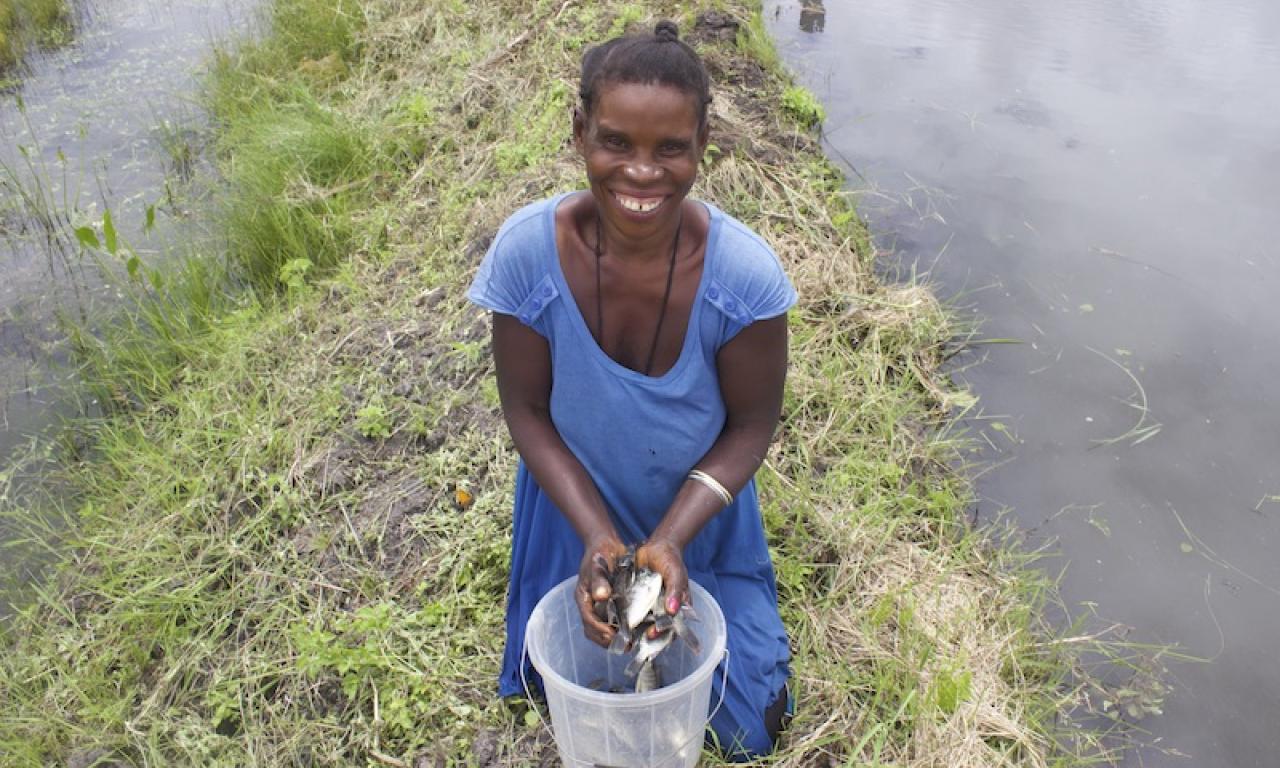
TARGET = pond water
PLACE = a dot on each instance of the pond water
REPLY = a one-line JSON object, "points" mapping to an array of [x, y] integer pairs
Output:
{"points": [[109, 121], [1097, 181]]}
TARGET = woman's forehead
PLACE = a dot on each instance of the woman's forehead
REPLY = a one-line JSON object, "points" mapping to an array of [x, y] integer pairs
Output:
{"points": [[642, 103]]}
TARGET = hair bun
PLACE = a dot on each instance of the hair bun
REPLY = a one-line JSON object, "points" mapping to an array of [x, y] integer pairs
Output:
{"points": [[666, 31]]}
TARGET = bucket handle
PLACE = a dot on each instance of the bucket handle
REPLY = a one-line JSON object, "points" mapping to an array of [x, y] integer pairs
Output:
{"points": [[724, 680]]}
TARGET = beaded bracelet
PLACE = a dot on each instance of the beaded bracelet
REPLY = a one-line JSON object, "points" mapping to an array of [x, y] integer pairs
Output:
{"points": [[712, 483]]}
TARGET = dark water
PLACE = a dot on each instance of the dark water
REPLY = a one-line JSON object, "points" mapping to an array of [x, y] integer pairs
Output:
{"points": [[107, 122], [1098, 180]]}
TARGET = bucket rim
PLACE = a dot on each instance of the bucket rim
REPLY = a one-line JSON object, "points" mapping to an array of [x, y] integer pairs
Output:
{"points": [[705, 669]]}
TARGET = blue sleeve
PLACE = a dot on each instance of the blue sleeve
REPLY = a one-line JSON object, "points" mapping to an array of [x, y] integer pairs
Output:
{"points": [[751, 285], [513, 270]]}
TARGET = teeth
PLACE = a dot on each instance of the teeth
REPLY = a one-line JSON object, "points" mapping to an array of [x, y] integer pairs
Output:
{"points": [[638, 206]]}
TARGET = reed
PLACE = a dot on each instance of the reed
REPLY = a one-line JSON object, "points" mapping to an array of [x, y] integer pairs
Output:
{"points": [[47, 23]]}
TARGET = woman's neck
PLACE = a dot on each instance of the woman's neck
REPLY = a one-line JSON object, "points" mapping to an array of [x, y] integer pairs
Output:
{"points": [[655, 247]]}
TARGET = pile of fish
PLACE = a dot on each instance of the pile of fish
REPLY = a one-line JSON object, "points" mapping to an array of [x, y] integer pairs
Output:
{"points": [[636, 608]]}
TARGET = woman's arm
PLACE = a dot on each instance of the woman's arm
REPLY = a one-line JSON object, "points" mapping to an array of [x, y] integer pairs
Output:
{"points": [[753, 370], [523, 362]]}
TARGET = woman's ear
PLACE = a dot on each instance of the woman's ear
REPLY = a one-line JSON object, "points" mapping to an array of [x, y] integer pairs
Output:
{"points": [[579, 128]]}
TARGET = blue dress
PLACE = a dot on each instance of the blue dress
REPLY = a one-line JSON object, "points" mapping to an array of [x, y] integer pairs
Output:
{"points": [[638, 436]]}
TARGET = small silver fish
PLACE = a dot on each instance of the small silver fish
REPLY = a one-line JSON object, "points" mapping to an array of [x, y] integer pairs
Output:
{"points": [[648, 678], [680, 623], [622, 638], [641, 597], [646, 649]]}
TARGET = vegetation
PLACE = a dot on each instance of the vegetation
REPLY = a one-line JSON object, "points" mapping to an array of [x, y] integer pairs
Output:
{"points": [[22, 22], [803, 106], [289, 535]]}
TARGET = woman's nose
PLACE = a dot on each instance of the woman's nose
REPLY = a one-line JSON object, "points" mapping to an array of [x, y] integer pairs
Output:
{"points": [[643, 172]]}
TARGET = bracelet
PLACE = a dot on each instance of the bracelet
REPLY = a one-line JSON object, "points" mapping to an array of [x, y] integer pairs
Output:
{"points": [[719, 490]]}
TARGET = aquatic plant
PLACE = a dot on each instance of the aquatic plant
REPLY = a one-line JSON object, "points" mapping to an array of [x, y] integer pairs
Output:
{"points": [[47, 23]]}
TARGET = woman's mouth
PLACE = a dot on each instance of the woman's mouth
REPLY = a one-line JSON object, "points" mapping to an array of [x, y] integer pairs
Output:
{"points": [[638, 204]]}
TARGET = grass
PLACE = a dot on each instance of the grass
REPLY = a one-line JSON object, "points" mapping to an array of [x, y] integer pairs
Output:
{"points": [[803, 106], [288, 538], [46, 23]]}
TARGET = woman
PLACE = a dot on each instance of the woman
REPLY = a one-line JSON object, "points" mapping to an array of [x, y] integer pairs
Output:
{"points": [[640, 342]]}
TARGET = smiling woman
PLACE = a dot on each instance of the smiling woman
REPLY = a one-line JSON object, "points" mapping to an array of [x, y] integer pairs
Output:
{"points": [[640, 343]]}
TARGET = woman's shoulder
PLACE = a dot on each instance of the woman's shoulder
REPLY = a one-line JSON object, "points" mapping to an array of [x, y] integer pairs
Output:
{"points": [[517, 260], [748, 281], [740, 252], [527, 224], [745, 247]]}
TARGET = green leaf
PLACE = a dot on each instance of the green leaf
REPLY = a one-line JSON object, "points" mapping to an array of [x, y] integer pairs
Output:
{"points": [[132, 265], [151, 218], [109, 232], [531, 718], [952, 688], [87, 237]]}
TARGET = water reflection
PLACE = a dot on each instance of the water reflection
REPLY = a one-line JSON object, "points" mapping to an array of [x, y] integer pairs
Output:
{"points": [[104, 123], [1096, 179], [813, 16]]}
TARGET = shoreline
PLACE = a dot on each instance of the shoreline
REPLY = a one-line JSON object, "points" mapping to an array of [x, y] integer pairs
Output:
{"points": [[291, 537]]}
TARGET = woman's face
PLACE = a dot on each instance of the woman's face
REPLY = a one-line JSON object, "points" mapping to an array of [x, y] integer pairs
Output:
{"points": [[642, 144]]}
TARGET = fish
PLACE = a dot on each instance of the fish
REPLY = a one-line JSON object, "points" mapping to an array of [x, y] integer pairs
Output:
{"points": [[622, 638], [678, 622], [648, 678], [641, 597], [646, 648], [680, 625]]}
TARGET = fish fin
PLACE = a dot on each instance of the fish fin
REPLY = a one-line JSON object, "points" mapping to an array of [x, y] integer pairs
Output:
{"points": [[686, 634], [633, 668]]}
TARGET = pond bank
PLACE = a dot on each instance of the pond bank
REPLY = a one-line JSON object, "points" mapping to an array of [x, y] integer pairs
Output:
{"points": [[290, 543], [28, 23]]}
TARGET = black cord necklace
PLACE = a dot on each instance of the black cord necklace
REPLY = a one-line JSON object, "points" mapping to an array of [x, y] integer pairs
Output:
{"points": [[666, 294]]}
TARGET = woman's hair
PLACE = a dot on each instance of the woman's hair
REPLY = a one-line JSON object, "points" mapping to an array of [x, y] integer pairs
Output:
{"points": [[660, 58]]}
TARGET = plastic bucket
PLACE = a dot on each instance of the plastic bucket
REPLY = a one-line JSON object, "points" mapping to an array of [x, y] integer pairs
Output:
{"points": [[662, 728]]}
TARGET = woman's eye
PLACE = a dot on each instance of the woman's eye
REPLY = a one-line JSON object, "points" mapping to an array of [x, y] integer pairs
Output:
{"points": [[614, 142], [672, 148]]}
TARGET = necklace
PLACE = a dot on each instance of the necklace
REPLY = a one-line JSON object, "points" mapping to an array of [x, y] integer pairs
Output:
{"points": [[666, 294]]}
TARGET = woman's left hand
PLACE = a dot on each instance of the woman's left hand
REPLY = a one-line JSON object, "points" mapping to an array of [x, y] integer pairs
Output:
{"points": [[665, 558]]}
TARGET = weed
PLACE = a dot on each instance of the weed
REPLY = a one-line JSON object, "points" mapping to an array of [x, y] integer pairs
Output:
{"points": [[754, 43], [373, 421], [47, 23], [803, 107]]}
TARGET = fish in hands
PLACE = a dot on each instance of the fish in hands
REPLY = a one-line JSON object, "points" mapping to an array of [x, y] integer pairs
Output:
{"points": [[635, 609]]}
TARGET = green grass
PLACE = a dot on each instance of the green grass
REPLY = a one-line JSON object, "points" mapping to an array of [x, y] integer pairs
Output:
{"points": [[803, 106], [288, 537], [47, 23]]}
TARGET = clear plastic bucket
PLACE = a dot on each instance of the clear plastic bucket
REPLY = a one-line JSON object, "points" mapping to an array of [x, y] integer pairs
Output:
{"points": [[662, 728]]}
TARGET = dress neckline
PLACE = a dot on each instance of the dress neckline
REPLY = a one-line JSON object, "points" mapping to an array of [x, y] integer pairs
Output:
{"points": [[691, 332]]}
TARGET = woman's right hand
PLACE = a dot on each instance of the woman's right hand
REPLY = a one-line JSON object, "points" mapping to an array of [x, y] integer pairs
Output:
{"points": [[598, 561]]}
